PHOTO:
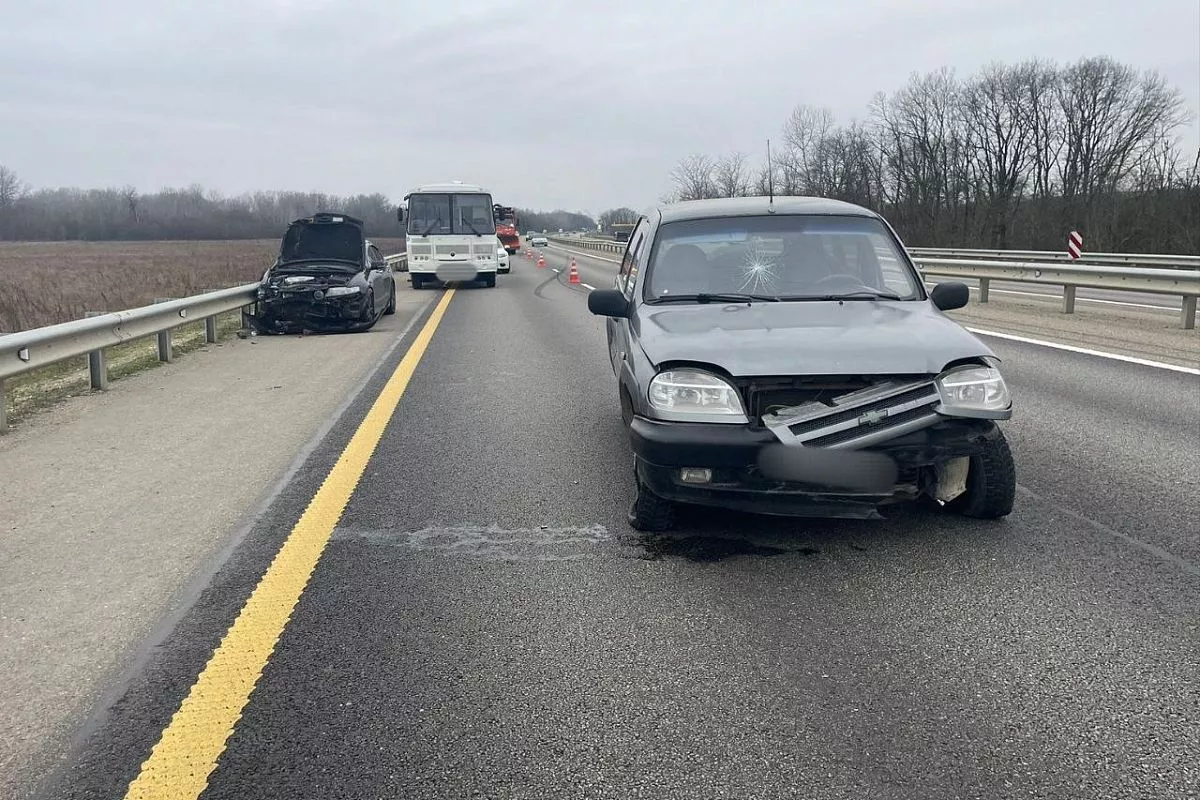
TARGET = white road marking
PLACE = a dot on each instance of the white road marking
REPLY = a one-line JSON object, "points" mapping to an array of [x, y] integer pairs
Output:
{"points": [[589, 287], [1086, 351]]}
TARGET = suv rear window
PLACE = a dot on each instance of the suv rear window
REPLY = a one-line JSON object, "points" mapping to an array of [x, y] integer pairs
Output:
{"points": [[782, 256]]}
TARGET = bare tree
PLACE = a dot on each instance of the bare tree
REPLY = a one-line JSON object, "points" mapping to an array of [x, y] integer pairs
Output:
{"points": [[998, 112], [130, 194], [922, 144], [804, 136], [731, 177], [11, 188], [1112, 117], [617, 216], [693, 178]]}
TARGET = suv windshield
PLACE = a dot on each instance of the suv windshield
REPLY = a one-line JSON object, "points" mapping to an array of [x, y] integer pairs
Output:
{"points": [[338, 241], [433, 214], [790, 257]]}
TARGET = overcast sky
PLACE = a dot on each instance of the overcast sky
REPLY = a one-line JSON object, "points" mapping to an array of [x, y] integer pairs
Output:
{"points": [[561, 103]]}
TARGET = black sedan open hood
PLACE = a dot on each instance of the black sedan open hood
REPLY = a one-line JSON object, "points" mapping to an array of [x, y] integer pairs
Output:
{"points": [[807, 338]]}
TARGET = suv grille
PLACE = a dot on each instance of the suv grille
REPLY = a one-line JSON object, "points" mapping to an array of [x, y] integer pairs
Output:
{"points": [[858, 419]]}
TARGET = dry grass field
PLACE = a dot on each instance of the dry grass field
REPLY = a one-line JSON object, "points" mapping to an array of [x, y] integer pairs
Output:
{"points": [[42, 283]]}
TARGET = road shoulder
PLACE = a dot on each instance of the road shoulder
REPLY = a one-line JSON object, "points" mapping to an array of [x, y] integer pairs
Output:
{"points": [[116, 500]]}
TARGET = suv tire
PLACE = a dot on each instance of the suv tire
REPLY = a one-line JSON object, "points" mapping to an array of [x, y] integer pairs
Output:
{"points": [[991, 483], [650, 512]]}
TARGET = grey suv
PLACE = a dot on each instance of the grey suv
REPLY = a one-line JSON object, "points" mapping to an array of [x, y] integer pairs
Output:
{"points": [[783, 356]]}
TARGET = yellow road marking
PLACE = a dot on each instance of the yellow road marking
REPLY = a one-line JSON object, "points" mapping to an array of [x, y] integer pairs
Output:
{"points": [[186, 754]]}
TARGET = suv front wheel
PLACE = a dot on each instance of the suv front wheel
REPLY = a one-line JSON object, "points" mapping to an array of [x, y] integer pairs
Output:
{"points": [[649, 511], [991, 483]]}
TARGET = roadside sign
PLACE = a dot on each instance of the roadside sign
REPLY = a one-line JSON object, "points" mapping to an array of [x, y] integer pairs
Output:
{"points": [[1074, 245]]}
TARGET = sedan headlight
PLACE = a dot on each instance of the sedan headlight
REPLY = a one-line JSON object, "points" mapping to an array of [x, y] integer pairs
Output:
{"points": [[974, 392], [342, 291], [689, 395]]}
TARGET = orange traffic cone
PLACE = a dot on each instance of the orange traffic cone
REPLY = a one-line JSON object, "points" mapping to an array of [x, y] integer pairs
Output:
{"points": [[573, 276], [541, 262]]}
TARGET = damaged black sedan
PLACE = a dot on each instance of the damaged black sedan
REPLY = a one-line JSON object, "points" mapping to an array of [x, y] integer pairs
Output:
{"points": [[328, 277]]}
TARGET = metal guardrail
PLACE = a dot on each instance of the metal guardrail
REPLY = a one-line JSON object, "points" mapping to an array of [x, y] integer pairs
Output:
{"points": [[1052, 256], [40, 347], [1181, 282], [1175, 275]]}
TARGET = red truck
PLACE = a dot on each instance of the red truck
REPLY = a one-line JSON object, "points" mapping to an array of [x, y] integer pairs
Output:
{"points": [[506, 227]]}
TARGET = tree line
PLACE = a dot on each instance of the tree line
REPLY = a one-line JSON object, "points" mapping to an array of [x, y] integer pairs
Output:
{"points": [[72, 214], [125, 214], [530, 220], [1012, 157]]}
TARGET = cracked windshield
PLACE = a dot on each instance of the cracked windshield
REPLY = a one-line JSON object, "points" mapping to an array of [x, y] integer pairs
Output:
{"points": [[599, 401], [778, 258]]}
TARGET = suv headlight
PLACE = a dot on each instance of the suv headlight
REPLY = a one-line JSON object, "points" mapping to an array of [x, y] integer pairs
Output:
{"points": [[974, 392], [689, 395], [342, 291]]}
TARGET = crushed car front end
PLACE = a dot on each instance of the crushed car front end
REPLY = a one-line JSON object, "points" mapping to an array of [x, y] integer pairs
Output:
{"points": [[332, 301]]}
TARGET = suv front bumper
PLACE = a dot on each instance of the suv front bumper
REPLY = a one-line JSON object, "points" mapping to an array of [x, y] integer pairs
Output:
{"points": [[742, 479]]}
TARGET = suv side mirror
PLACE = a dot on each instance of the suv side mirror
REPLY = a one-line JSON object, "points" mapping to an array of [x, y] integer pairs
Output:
{"points": [[608, 303], [949, 296]]}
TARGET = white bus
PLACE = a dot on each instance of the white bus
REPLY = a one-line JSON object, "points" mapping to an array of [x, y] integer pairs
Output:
{"points": [[450, 234]]}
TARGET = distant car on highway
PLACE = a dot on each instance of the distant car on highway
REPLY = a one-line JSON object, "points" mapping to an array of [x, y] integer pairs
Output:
{"points": [[539, 241], [784, 357], [502, 265], [328, 276]]}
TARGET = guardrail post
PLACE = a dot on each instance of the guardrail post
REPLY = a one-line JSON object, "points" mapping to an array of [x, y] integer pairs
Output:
{"points": [[164, 346], [984, 285], [1188, 318], [165, 352], [97, 362], [210, 330], [1068, 299], [3, 409]]}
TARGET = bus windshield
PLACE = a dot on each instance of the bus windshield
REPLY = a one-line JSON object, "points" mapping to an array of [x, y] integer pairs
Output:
{"points": [[441, 214]]}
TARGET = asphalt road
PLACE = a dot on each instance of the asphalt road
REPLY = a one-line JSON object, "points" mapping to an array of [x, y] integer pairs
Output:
{"points": [[483, 623]]}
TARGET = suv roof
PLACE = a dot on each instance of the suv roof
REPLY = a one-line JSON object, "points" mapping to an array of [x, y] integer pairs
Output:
{"points": [[758, 206]]}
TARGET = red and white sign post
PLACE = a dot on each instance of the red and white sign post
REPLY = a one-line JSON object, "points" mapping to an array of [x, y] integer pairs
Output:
{"points": [[1074, 245], [1074, 250]]}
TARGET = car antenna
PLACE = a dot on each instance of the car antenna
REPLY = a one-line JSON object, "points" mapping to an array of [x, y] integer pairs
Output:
{"points": [[770, 181]]}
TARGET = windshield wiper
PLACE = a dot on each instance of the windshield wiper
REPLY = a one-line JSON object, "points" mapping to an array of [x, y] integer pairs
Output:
{"points": [[857, 294], [475, 231], [435, 224], [718, 297]]}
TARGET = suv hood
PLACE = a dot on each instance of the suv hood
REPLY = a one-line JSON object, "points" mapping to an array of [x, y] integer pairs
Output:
{"points": [[808, 338]]}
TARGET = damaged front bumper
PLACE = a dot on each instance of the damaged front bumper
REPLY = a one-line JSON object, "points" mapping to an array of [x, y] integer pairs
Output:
{"points": [[748, 469], [888, 443], [283, 309]]}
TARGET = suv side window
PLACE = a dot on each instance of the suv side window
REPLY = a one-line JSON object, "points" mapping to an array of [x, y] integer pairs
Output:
{"points": [[629, 264]]}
